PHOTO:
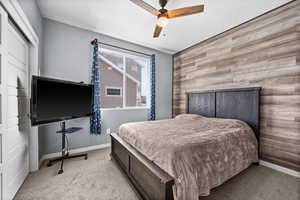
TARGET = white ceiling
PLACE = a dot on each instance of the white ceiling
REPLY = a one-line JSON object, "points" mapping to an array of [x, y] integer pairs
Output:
{"points": [[124, 20]]}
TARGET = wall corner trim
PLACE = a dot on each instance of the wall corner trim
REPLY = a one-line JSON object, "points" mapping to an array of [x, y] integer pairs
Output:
{"points": [[72, 151], [279, 168], [14, 9]]}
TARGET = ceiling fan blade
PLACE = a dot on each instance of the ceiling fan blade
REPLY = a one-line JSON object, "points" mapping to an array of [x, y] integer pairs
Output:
{"points": [[185, 11], [157, 31], [146, 6]]}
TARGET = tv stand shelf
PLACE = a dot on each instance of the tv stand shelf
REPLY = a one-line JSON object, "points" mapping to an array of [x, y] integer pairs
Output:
{"points": [[70, 130]]}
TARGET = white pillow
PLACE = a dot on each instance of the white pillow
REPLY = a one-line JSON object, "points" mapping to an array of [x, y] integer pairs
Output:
{"points": [[188, 116]]}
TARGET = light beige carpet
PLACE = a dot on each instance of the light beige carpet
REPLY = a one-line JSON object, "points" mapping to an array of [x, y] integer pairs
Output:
{"points": [[98, 178]]}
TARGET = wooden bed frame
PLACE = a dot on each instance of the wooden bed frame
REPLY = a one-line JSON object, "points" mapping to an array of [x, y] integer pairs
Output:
{"points": [[151, 182]]}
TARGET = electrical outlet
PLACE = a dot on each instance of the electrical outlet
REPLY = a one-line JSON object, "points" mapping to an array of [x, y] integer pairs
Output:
{"points": [[108, 131]]}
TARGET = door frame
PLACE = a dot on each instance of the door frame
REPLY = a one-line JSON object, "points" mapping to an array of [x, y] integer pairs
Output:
{"points": [[16, 13]]}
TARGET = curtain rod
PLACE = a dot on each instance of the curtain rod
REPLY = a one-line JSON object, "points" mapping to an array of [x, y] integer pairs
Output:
{"points": [[95, 40]]}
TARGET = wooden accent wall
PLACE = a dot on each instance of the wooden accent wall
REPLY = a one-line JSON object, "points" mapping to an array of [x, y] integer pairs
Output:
{"points": [[263, 52]]}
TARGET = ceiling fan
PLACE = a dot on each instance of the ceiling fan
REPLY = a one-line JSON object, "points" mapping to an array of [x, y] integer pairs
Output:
{"points": [[163, 15]]}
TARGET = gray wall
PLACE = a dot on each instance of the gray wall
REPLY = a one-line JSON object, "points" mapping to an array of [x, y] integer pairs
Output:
{"points": [[34, 16], [67, 55]]}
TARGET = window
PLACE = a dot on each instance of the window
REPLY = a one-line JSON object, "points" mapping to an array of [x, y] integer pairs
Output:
{"points": [[113, 92], [125, 80]]}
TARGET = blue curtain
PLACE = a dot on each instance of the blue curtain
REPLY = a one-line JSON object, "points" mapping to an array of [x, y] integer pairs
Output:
{"points": [[152, 78], [95, 120]]}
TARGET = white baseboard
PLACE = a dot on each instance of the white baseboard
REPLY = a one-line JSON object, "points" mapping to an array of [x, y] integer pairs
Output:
{"points": [[102, 146], [79, 150], [279, 168]]}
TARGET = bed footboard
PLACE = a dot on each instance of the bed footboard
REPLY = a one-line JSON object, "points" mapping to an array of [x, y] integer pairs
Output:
{"points": [[151, 182]]}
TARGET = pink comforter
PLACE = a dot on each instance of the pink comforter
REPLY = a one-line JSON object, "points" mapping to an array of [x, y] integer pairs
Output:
{"points": [[199, 153]]}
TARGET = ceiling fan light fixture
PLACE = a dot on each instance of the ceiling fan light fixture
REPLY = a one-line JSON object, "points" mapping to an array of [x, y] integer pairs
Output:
{"points": [[162, 21], [163, 15]]}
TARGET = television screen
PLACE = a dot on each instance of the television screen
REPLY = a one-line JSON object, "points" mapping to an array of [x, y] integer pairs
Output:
{"points": [[57, 100]]}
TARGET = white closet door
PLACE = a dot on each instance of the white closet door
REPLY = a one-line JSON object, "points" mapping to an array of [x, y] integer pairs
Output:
{"points": [[17, 123], [3, 99]]}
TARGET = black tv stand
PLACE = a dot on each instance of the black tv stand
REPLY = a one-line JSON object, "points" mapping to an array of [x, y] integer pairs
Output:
{"points": [[64, 152]]}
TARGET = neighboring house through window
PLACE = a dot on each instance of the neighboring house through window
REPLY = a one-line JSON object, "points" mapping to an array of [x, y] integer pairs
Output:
{"points": [[125, 80]]}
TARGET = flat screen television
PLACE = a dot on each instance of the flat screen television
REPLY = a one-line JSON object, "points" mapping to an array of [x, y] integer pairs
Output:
{"points": [[54, 100]]}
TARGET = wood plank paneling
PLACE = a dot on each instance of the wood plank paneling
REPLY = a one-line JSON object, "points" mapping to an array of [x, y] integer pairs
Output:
{"points": [[264, 52]]}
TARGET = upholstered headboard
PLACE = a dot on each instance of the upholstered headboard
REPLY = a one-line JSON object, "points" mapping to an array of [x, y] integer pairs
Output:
{"points": [[237, 103]]}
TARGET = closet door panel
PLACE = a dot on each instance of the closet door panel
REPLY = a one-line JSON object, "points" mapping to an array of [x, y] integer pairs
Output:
{"points": [[3, 101], [17, 148]]}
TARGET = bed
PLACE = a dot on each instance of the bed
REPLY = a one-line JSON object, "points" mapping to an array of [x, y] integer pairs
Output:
{"points": [[183, 158]]}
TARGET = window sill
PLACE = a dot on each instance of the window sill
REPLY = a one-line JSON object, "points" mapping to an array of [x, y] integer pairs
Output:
{"points": [[126, 108]]}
